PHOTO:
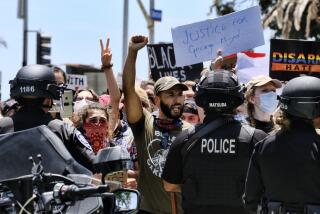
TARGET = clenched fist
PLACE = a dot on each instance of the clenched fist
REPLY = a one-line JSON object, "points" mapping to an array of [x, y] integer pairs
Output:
{"points": [[137, 42]]}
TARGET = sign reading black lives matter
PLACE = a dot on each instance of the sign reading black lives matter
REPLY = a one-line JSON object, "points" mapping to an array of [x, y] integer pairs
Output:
{"points": [[163, 63], [291, 58]]}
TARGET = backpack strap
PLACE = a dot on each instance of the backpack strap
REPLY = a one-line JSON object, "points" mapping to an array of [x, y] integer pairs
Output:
{"points": [[210, 127]]}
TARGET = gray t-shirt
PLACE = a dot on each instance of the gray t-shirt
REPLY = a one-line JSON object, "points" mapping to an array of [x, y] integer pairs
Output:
{"points": [[152, 156]]}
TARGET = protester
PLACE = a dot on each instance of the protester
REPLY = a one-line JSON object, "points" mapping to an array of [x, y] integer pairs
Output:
{"points": [[284, 168], [60, 75], [94, 125], [208, 165], [262, 101], [121, 135], [83, 98], [148, 86], [153, 136], [189, 94], [190, 113], [87, 105]]}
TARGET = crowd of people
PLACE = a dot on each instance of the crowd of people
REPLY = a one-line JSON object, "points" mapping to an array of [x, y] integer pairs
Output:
{"points": [[212, 145]]}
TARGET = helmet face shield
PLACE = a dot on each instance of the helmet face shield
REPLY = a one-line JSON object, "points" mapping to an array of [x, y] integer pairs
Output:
{"points": [[302, 107], [55, 90], [301, 97]]}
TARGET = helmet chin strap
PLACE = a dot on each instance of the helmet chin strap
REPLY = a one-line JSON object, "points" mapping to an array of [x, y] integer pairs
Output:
{"points": [[46, 105]]}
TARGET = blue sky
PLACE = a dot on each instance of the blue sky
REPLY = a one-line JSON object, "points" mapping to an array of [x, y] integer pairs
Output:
{"points": [[77, 26]]}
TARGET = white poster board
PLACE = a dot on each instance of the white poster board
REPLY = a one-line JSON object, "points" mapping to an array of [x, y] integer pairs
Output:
{"points": [[75, 81], [232, 33]]}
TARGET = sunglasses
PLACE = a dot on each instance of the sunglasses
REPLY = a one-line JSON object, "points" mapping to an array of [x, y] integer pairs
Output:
{"points": [[100, 120], [86, 98]]}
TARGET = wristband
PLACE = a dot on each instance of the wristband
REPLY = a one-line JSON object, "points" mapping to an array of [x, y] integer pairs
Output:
{"points": [[106, 66]]}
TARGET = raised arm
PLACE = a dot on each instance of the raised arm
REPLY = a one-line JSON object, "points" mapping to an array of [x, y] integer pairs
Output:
{"points": [[106, 60], [131, 99]]}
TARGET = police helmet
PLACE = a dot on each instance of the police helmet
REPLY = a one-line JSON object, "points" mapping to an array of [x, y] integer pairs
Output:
{"points": [[301, 97], [219, 91], [34, 81]]}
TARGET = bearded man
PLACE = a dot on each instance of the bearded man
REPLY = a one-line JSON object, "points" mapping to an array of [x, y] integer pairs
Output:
{"points": [[153, 135]]}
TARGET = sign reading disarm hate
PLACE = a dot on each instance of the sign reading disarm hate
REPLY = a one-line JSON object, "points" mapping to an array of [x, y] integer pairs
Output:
{"points": [[162, 63], [291, 58], [232, 33]]}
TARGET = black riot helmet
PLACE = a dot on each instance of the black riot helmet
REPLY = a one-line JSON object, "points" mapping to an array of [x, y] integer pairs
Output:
{"points": [[301, 97], [34, 81], [218, 91]]}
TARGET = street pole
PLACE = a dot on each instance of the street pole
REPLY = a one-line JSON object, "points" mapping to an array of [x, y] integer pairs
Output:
{"points": [[25, 34], [151, 25], [125, 31]]}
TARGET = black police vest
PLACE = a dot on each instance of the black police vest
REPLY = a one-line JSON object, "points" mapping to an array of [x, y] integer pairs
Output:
{"points": [[215, 169]]}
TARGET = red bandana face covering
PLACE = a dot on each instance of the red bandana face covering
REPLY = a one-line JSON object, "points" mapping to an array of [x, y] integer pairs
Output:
{"points": [[97, 134]]}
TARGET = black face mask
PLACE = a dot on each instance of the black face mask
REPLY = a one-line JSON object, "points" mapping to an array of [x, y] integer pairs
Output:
{"points": [[167, 110]]}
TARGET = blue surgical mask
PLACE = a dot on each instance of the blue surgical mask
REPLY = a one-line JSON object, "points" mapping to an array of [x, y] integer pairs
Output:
{"points": [[268, 102], [240, 117]]}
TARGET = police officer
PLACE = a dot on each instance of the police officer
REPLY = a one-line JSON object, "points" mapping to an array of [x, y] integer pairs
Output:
{"points": [[34, 88], [208, 165], [284, 169]]}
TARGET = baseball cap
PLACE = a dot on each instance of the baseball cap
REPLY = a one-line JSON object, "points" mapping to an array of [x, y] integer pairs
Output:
{"points": [[190, 107], [262, 80], [104, 100], [165, 83]]}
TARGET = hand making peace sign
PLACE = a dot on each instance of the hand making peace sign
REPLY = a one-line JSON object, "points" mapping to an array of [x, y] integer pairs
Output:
{"points": [[106, 54]]}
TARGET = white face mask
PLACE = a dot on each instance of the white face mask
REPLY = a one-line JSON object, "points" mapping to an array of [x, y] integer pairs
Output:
{"points": [[268, 102], [81, 104]]}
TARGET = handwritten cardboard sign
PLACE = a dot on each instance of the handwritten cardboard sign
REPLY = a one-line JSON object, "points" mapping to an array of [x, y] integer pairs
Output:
{"points": [[120, 176], [235, 32], [291, 58], [75, 81], [163, 63]]}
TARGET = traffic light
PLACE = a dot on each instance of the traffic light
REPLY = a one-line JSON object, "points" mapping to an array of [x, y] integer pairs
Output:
{"points": [[43, 49]]}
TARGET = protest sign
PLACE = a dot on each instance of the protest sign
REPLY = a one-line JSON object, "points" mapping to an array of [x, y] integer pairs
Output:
{"points": [[291, 58], [163, 63], [75, 81], [235, 32]]}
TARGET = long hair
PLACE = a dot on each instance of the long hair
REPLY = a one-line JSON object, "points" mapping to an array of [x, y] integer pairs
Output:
{"points": [[250, 106], [94, 94], [288, 120], [79, 118]]}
